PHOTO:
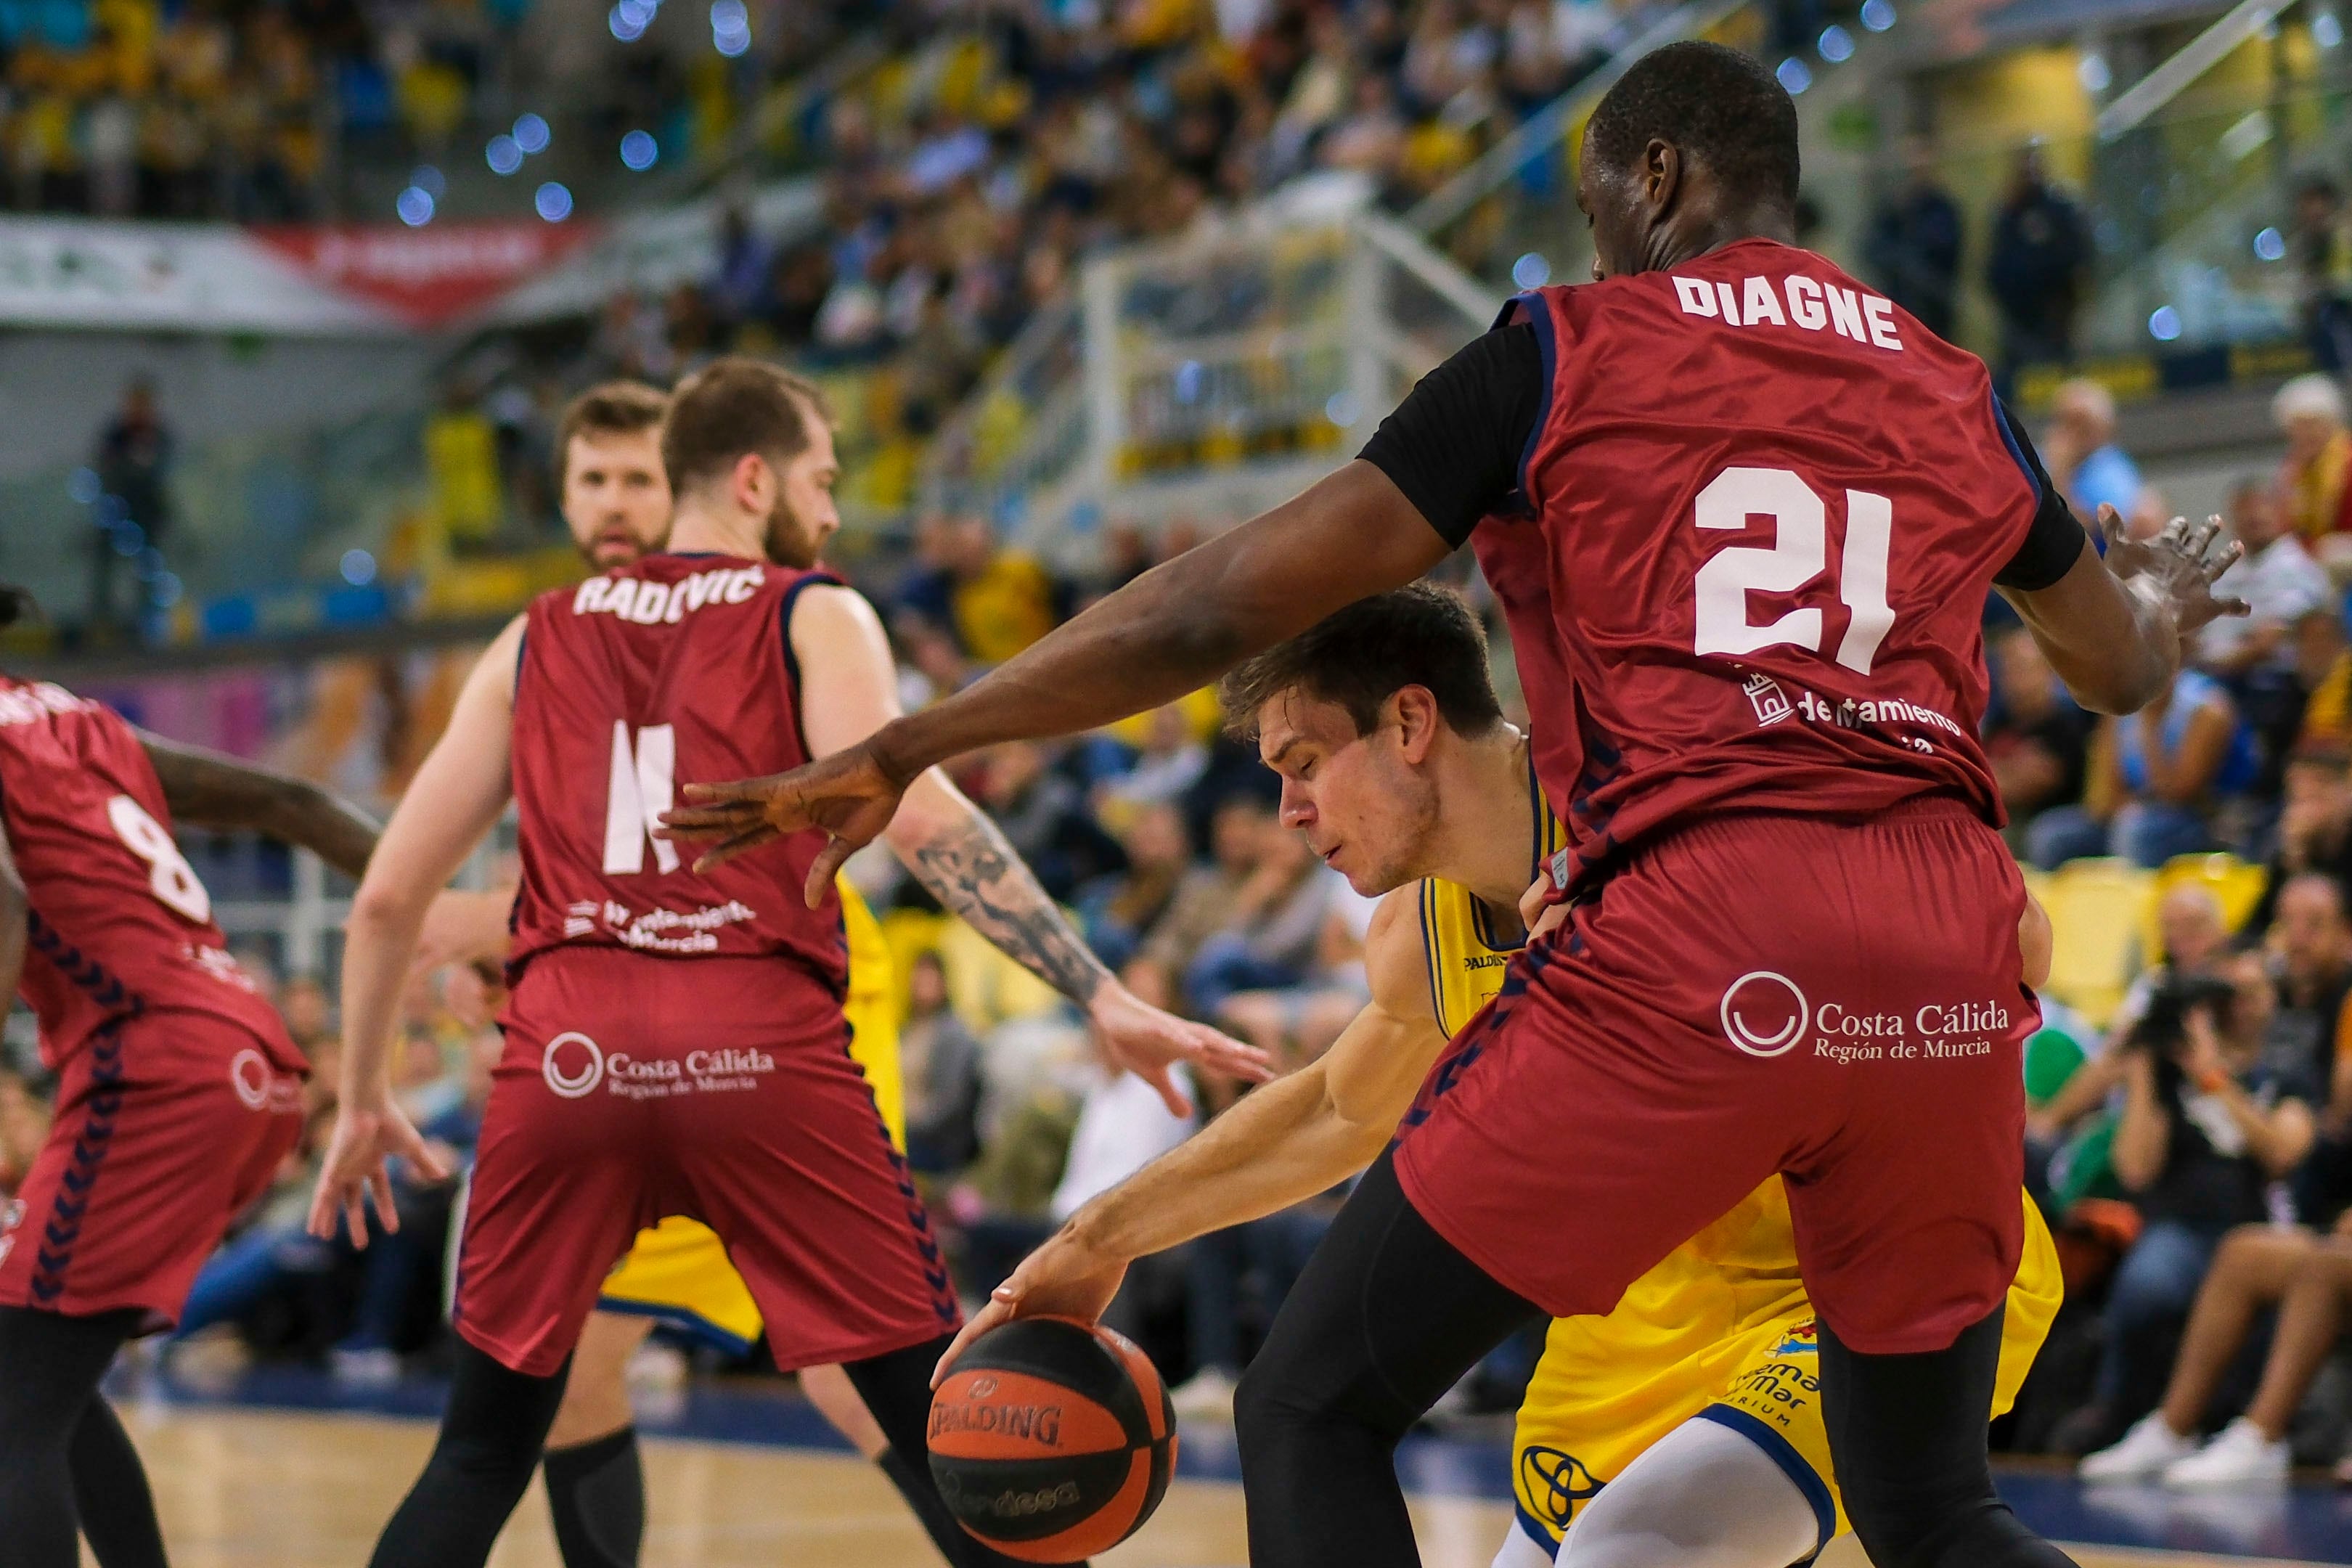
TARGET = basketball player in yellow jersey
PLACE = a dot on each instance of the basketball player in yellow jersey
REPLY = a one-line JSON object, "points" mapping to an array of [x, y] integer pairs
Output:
{"points": [[1681, 1430], [616, 501]]}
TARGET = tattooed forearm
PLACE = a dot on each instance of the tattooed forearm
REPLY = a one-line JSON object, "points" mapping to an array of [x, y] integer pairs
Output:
{"points": [[204, 789], [970, 867]]}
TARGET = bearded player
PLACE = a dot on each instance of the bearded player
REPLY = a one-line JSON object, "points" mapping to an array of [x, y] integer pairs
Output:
{"points": [[676, 1043], [178, 1090], [1683, 1428], [1757, 508], [617, 502]]}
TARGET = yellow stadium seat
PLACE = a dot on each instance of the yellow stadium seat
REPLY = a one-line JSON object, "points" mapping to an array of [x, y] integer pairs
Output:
{"points": [[2099, 909], [985, 987], [2236, 885]]}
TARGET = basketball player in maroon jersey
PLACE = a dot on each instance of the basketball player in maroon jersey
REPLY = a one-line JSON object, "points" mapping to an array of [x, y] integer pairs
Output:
{"points": [[676, 1043], [1748, 513], [614, 496], [178, 1090]]}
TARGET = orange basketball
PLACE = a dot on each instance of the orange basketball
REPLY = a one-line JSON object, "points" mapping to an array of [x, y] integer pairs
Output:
{"points": [[1052, 1439]]}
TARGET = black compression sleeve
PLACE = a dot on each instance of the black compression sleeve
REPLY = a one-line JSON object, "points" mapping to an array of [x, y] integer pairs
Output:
{"points": [[2055, 539], [1454, 444]]}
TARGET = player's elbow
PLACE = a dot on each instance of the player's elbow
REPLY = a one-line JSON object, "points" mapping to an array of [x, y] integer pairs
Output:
{"points": [[383, 905]]}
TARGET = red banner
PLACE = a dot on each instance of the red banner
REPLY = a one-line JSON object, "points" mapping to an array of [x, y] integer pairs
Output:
{"points": [[425, 276]]}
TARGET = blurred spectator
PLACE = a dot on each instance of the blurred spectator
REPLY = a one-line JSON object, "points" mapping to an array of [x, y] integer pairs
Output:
{"points": [[2039, 743], [461, 466], [1001, 600], [1171, 762], [133, 461], [303, 1001], [938, 1062], [2081, 453], [1116, 911], [1043, 816], [2311, 973], [1207, 899], [1272, 927], [2159, 773], [2314, 831], [2322, 248], [2205, 1128], [1914, 246], [2277, 578], [2310, 411], [2301, 1275], [2040, 248]]}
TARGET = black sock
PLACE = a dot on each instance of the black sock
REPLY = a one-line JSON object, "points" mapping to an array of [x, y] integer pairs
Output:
{"points": [[596, 1490], [49, 1368], [117, 1511], [922, 1497], [490, 1443]]}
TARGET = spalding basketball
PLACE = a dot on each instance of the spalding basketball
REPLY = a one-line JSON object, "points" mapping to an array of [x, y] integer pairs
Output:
{"points": [[1052, 1439]]}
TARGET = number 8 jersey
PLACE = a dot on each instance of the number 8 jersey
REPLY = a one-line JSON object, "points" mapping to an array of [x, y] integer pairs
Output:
{"points": [[1747, 563], [679, 667], [120, 925]]}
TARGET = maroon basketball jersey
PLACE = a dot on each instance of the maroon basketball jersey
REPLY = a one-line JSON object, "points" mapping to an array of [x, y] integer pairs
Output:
{"points": [[120, 923], [676, 668], [1764, 507]]}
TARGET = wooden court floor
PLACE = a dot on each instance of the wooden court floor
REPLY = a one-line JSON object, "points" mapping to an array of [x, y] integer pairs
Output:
{"points": [[254, 1488]]}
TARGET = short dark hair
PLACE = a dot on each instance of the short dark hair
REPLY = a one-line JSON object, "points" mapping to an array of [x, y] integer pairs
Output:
{"points": [[1717, 105], [613, 408], [732, 406], [1420, 634]]}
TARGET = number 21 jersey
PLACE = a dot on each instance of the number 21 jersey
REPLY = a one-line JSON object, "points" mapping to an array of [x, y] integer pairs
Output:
{"points": [[120, 923], [1762, 509]]}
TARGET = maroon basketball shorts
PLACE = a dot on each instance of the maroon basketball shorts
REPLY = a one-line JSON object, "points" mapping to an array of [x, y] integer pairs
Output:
{"points": [[167, 1125], [1839, 1001], [635, 1088]]}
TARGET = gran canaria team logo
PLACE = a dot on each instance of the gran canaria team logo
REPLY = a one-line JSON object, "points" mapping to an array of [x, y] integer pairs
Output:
{"points": [[1764, 1014], [1802, 1339], [572, 1065]]}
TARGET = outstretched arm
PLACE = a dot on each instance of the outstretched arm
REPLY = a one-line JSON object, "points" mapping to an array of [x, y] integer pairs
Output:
{"points": [[456, 796], [1168, 632], [206, 789], [1279, 1146], [849, 690]]}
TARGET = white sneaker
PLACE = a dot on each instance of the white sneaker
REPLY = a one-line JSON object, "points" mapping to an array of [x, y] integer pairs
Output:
{"points": [[2241, 1456], [2146, 1452], [377, 1368], [1207, 1395]]}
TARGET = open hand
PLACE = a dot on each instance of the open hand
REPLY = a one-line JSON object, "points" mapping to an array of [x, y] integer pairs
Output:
{"points": [[2177, 566], [366, 1139], [1063, 1279], [848, 794], [1148, 1042]]}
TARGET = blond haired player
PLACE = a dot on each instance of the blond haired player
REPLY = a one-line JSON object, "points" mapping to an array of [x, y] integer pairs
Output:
{"points": [[1684, 1428], [617, 502]]}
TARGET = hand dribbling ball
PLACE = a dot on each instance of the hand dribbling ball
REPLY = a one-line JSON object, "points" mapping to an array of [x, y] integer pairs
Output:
{"points": [[1052, 1439]]}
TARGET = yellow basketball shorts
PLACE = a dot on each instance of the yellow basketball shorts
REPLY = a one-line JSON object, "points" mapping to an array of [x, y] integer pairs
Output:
{"points": [[677, 1272], [1573, 1438]]}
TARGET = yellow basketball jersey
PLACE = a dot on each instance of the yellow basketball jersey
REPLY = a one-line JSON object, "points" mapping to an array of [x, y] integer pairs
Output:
{"points": [[1462, 938], [678, 1271]]}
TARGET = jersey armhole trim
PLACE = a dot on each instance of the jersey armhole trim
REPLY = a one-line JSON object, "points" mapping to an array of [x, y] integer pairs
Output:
{"points": [[1536, 311], [2041, 497], [791, 659], [1779, 1449], [1428, 952]]}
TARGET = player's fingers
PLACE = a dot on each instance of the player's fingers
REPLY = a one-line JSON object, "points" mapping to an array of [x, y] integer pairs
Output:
{"points": [[387, 1213], [2107, 523], [1163, 1081], [733, 789], [829, 862], [2201, 537], [2235, 606], [706, 820], [355, 1214], [2231, 552], [734, 846], [427, 1159], [997, 1312]]}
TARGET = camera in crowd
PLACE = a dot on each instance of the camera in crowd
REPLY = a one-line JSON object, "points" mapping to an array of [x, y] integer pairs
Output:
{"points": [[2163, 1029]]}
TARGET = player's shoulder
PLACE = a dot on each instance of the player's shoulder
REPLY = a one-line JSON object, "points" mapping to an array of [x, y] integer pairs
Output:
{"points": [[1396, 950]]}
